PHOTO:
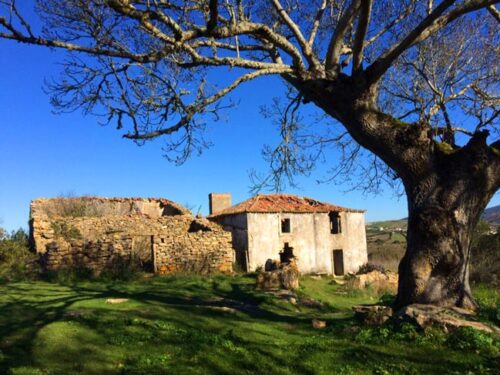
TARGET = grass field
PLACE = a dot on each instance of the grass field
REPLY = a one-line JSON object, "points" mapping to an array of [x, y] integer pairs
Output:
{"points": [[385, 248], [216, 325]]}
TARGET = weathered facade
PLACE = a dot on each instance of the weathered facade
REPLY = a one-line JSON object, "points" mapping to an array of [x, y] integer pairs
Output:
{"points": [[97, 232], [323, 238]]}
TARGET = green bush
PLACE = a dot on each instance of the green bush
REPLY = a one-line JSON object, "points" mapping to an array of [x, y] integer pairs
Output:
{"points": [[17, 262], [470, 339], [65, 230], [123, 268], [370, 267], [68, 276]]}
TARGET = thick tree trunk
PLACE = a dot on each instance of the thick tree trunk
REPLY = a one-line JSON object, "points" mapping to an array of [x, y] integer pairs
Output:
{"points": [[443, 209], [447, 189], [435, 268]]}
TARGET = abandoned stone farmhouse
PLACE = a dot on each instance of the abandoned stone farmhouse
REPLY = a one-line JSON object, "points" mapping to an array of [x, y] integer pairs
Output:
{"points": [[323, 238], [164, 237], [98, 233]]}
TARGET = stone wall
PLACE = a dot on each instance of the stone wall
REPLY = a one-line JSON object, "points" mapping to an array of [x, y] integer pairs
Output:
{"points": [[98, 232]]}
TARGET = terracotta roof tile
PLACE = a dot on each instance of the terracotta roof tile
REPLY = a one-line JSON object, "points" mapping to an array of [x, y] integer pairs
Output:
{"points": [[281, 203]]}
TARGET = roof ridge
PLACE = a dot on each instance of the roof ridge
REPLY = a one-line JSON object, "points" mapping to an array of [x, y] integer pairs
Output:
{"points": [[281, 203]]}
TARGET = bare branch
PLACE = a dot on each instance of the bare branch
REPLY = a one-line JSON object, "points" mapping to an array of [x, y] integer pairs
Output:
{"points": [[431, 24], [363, 22], [494, 12], [214, 14], [317, 21], [337, 41], [304, 45]]}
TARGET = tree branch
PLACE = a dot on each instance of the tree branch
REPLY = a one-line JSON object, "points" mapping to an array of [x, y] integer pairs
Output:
{"points": [[304, 45], [494, 12], [363, 22], [317, 22], [337, 41], [430, 25], [214, 14]]}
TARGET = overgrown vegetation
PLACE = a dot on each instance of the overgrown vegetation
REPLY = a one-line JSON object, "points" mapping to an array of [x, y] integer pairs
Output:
{"points": [[17, 262], [217, 325], [485, 255], [120, 268], [65, 230], [85, 206], [370, 267]]}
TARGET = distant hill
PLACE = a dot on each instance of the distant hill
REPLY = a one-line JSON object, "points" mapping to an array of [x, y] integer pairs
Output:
{"points": [[492, 215]]}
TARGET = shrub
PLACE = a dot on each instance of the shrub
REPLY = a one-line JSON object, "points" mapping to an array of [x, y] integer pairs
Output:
{"points": [[17, 262], [485, 257], [65, 230], [123, 268], [470, 339], [67, 276], [369, 267]]}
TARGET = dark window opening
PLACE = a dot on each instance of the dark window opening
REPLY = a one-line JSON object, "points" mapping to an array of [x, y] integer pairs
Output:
{"points": [[286, 254], [335, 223], [285, 226], [338, 262]]}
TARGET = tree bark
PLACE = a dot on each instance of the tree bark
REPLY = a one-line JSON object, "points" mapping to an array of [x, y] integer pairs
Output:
{"points": [[443, 210], [435, 267]]}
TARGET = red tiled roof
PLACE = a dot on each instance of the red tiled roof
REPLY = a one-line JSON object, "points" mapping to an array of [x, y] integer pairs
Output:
{"points": [[281, 203]]}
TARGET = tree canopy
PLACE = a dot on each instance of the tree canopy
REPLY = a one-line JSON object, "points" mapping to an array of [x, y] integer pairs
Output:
{"points": [[149, 71]]}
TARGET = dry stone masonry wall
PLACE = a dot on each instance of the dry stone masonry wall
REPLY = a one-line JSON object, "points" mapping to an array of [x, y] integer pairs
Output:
{"points": [[98, 232]]}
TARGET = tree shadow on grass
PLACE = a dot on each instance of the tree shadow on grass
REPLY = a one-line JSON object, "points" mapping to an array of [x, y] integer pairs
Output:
{"points": [[230, 325], [26, 309]]}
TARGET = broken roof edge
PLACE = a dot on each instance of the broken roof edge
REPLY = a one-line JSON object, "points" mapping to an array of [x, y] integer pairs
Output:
{"points": [[38, 204], [282, 203]]}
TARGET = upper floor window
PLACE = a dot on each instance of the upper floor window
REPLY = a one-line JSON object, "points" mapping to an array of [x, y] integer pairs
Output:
{"points": [[335, 223], [285, 226]]}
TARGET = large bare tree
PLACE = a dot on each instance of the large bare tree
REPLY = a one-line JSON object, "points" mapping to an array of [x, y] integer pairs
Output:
{"points": [[415, 83]]}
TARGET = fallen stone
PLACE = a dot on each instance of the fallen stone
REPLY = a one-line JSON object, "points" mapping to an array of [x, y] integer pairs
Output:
{"points": [[309, 302], [293, 301], [372, 314], [286, 277], [116, 300], [225, 309], [375, 279], [318, 324]]}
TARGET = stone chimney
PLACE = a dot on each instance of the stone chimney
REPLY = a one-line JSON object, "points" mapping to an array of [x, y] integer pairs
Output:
{"points": [[219, 202]]}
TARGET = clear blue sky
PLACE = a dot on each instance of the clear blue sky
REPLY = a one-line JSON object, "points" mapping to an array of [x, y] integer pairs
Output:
{"points": [[46, 155]]}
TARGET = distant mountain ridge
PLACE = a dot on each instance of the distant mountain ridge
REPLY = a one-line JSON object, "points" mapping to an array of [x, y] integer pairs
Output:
{"points": [[492, 215]]}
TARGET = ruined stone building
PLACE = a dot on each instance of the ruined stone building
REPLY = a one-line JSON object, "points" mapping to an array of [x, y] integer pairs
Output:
{"points": [[96, 233], [323, 238], [164, 237]]}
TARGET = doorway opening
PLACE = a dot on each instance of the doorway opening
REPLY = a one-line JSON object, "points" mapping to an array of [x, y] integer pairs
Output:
{"points": [[286, 255], [338, 262], [142, 252]]}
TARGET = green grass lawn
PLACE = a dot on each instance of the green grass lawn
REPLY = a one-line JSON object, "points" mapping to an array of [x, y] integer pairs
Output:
{"points": [[211, 325]]}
